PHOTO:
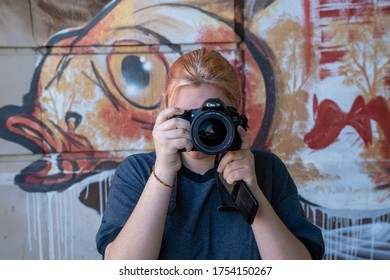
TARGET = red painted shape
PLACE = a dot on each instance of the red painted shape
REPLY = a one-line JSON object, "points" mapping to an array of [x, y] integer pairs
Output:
{"points": [[330, 13], [385, 10], [330, 120], [331, 56]]}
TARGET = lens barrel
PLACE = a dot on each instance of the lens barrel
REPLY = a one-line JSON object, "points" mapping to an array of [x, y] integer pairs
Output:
{"points": [[212, 132]]}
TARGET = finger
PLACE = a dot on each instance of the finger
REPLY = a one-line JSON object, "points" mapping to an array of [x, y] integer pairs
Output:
{"points": [[171, 141], [245, 139], [181, 143], [177, 134], [175, 123], [232, 171], [233, 176], [233, 166], [167, 114], [229, 157]]}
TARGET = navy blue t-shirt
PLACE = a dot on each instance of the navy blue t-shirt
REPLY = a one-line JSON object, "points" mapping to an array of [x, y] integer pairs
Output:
{"points": [[195, 228]]}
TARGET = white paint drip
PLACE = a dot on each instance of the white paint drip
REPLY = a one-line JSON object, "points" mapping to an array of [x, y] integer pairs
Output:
{"points": [[350, 234], [51, 218]]}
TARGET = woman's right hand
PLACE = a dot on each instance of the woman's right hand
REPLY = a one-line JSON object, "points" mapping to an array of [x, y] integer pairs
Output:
{"points": [[170, 135]]}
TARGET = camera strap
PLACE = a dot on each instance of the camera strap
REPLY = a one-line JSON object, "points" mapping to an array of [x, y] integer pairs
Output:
{"points": [[227, 203]]}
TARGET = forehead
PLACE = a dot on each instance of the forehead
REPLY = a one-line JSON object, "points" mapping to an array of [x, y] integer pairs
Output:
{"points": [[192, 97]]}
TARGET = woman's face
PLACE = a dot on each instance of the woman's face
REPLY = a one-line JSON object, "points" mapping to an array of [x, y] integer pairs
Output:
{"points": [[192, 97]]}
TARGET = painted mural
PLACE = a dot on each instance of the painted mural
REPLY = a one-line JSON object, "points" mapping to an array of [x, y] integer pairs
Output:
{"points": [[316, 80]]}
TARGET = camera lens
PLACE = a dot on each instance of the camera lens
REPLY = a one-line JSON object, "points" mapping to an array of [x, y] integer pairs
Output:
{"points": [[212, 132]]}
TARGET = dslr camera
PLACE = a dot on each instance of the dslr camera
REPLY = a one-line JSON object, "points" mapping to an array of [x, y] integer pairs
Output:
{"points": [[214, 127]]}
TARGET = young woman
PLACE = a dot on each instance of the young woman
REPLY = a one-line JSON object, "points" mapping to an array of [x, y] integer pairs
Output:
{"points": [[164, 204]]}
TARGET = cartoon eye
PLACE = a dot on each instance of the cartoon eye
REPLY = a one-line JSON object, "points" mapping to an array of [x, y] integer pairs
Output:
{"points": [[139, 77], [136, 71]]}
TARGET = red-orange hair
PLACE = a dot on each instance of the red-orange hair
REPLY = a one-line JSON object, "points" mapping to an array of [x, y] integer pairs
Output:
{"points": [[203, 66]]}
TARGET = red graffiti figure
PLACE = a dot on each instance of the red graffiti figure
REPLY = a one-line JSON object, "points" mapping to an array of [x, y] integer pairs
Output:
{"points": [[330, 120]]}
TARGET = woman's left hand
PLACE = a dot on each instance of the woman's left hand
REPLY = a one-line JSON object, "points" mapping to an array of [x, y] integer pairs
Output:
{"points": [[240, 164]]}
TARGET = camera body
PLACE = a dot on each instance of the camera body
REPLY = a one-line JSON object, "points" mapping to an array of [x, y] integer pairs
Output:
{"points": [[214, 127]]}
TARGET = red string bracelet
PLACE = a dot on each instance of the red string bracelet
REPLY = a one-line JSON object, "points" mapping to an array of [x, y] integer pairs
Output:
{"points": [[158, 179]]}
